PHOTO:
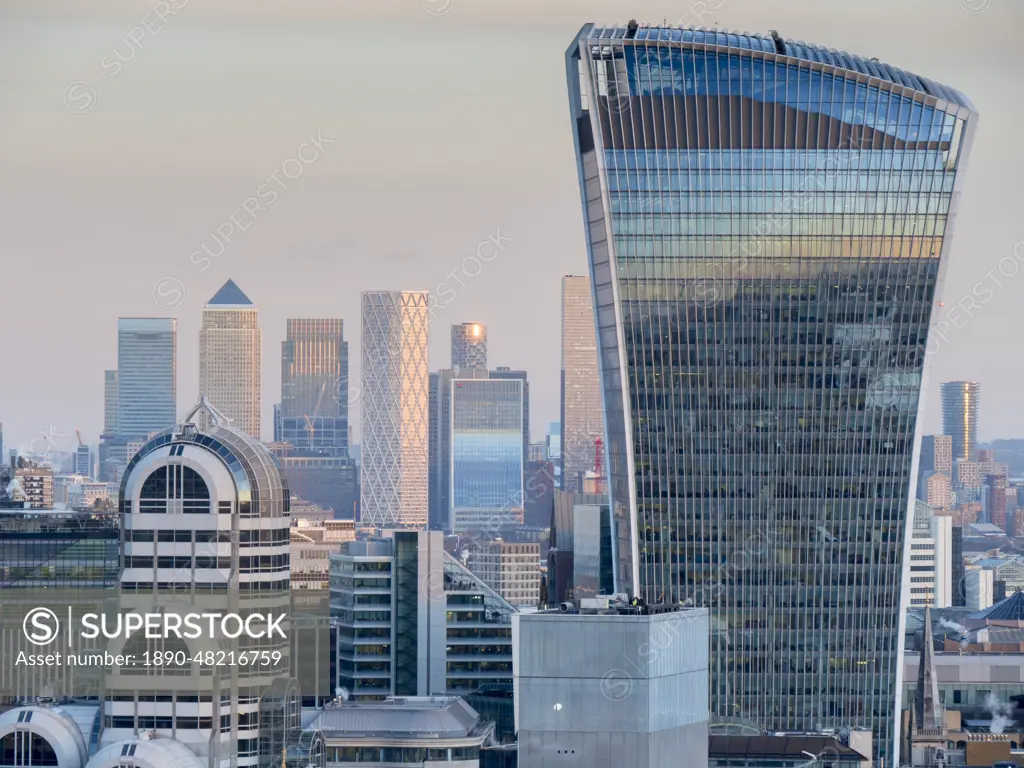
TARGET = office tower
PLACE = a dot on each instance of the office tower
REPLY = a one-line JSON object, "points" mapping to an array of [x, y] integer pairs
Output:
{"points": [[995, 502], [582, 422], [440, 448], [469, 346], [939, 492], [193, 504], [110, 403], [957, 569], [506, 373], [109, 461], [580, 555], [619, 703], [986, 455], [146, 369], [486, 478], [230, 358], [538, 452], [554, 438], [980, 589], [931, 572], [936, 456], [942, 454], [437, 627], [314, 387], [761, 353], [509, 568], [539, 492], [960, 417], [329, 481], [394, 483], [83, 461]]}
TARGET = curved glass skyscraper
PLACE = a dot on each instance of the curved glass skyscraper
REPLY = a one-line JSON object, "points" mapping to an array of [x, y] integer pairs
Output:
{"points": [[767, 228]]}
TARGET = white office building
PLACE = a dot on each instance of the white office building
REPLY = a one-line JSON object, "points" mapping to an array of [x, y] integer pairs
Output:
{"points": [[931, 558], [395, 381]]}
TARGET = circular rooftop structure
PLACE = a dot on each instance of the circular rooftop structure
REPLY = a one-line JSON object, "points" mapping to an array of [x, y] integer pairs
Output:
{"points": [[50, 732], [145, 753], [251, 472]]}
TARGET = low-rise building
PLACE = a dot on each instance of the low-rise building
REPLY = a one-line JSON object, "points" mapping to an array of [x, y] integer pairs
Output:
{"points": [[417, 732], [410, 620], [510, 569], [313, 541]]}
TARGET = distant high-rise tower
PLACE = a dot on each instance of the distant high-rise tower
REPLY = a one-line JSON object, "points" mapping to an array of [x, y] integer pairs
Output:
{"points": [[314, 386], [395, 382], [469, 345], [487, 460], [582, 419], [762, 319], [936, 456], [230, 358], [110, 402], [960, 417], [146, 372]]}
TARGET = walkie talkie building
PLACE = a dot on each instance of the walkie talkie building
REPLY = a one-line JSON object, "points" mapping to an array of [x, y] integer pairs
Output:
{"points": [[767, 228]]}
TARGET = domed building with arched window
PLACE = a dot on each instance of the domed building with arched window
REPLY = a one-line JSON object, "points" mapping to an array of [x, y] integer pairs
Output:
{"points": [[205, 529]]}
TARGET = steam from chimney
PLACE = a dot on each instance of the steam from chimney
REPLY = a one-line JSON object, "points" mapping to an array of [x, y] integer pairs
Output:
{"points": [[1000, 711], [947, 624]]}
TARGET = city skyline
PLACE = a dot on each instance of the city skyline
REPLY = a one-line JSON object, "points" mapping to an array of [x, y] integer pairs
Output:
{"points": [[303, 242]]}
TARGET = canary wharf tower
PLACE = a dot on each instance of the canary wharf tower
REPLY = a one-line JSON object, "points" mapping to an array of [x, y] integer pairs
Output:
{"points": [[767, 229]]}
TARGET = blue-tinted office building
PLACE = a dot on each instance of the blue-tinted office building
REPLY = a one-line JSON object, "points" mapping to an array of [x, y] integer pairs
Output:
{"points": [[767, 228], [147, 351], [486, 478]]}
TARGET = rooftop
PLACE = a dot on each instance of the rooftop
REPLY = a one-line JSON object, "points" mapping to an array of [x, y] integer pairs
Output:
{"points": [[229, 295], [447, 717], [775, 44], [1010, 609], [779, 747]]}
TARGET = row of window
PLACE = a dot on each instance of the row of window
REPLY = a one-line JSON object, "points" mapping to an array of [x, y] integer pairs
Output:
{"points": [[819, 182], [189, 586], [245, 537]]}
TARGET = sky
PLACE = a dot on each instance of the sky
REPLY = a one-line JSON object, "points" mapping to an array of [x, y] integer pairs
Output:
{"points": [[133, 129]]}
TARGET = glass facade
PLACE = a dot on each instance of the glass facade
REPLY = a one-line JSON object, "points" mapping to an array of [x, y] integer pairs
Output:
{"points": [[394, 381], [486, 449], [766, 230], [145, 376], [960, 400], [314, 386]]}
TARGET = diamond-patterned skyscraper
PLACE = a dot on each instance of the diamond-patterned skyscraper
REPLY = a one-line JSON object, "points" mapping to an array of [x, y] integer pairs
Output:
{"points": [[395, 379], [767, 227]]}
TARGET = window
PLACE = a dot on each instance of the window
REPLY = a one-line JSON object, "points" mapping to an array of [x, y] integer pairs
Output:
{"points": [[178, 483], [23, 748]]}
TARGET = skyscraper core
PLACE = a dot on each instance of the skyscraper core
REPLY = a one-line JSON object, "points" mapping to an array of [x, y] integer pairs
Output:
{"points": [[766, 228]]}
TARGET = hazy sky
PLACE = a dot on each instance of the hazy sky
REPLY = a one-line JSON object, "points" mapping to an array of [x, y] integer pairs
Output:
{"points": [[450, 125]]}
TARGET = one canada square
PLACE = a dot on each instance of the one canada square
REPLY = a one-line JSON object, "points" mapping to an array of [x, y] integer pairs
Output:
{"points": [[767, 230]]}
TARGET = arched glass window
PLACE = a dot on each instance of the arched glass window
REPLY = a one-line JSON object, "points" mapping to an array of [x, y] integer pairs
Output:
{"points": [[25, 749], [178, 484]]}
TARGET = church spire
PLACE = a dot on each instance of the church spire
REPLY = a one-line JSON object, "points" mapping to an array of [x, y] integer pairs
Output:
{"points": [[927, 709]]}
